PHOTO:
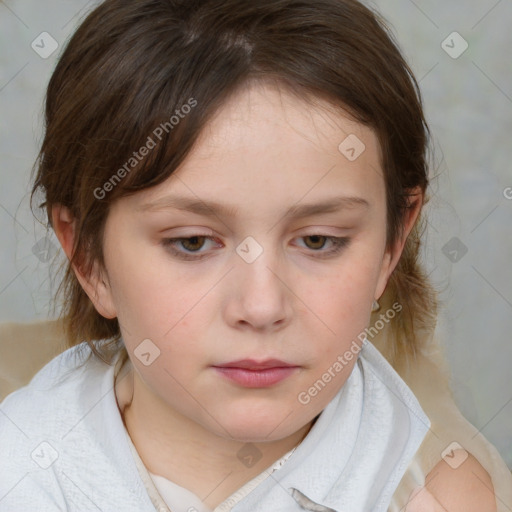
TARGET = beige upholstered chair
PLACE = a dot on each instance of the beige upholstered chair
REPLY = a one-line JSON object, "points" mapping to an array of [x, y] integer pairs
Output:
{"points": [[25, 349]]}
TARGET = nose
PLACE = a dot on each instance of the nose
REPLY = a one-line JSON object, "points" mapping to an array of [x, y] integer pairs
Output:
{"points": [[259, 296]]}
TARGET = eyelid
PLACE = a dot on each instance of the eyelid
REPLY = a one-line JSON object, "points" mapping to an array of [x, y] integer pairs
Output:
{"points": [[169, 243], [339, 243]]}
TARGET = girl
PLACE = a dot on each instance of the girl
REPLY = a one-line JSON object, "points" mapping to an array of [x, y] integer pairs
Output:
{"points": [[237, 187]]}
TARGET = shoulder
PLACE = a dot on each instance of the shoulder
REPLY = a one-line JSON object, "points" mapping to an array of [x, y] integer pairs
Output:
{"points": [[50, 396], [464, 486], [52, 374], [40, 426]]}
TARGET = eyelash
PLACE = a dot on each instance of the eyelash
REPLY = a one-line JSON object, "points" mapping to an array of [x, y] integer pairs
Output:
{"points": [[339, 243]]}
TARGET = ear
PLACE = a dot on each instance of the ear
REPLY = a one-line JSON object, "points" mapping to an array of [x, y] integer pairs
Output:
{"points": [[95, 283], [392, 255]]}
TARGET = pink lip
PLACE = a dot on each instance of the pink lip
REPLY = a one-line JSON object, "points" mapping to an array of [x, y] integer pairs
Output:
{"points": [[253, 374], [252, 364]]}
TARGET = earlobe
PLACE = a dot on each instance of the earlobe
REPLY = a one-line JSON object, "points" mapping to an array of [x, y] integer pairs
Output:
{"points": [[95, 282]]}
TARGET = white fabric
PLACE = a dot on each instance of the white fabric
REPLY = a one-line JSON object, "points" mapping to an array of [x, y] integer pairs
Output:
{"points": [[179, 499], [63, 445]]}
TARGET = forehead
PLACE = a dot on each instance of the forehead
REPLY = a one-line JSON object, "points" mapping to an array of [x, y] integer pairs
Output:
{"points": [[266, 117], [268, 148]]}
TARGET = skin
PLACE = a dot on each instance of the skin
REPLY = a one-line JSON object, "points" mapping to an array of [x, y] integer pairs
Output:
{"points": [[265, 151], [466, 488]]}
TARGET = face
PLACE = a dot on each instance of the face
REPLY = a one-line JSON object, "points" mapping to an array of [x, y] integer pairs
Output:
{"points": [[283, 274]]}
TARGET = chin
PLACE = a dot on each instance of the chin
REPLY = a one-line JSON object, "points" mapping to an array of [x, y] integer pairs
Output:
{"points": [[249, 426], [252, 434]]}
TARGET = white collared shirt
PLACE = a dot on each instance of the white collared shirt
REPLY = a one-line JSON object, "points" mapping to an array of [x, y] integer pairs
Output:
{"points": [[63, 445]]}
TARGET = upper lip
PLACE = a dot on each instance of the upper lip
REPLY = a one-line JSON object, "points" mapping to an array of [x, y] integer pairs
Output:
{"points": [[251, 364]]}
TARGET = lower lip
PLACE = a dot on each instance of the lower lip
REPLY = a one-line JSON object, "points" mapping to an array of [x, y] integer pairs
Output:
{"points": [[256, 378]]}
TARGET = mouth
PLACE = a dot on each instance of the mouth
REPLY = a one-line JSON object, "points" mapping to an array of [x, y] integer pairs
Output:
{"points": [[256, 374]]}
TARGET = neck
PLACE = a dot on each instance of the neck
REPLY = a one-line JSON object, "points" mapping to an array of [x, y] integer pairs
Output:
{"points": [[175, 447]]}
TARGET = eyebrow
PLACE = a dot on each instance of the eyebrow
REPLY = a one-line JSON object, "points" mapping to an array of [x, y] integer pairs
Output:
{"points": [[206, 208]]}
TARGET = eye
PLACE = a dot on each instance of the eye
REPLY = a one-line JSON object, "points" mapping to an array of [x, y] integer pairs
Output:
{"points": [[191, 244], [318, 242]]}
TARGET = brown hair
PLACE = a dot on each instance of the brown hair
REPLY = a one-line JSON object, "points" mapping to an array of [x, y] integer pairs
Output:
{"points": [[132, 64]]}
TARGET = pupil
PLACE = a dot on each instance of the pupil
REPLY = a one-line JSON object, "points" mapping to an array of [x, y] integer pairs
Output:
{"points": [[193, 240], [315, 239]]}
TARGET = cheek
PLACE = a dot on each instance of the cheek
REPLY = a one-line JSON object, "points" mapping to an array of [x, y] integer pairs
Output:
{"points": [[344, 304], [153, 300]]}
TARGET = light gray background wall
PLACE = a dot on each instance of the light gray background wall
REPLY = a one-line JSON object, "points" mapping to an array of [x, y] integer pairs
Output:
{"points": [[468, 101]]}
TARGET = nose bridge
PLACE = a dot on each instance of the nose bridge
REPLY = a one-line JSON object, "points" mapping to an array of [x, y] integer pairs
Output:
{"points": [[260, 259], [259, 287]]}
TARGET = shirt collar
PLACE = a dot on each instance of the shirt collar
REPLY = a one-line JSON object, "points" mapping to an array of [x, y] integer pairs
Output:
{"points": [[356, 453]]}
